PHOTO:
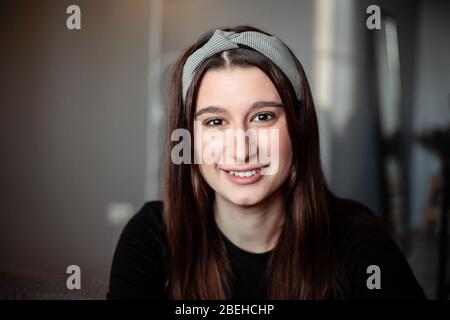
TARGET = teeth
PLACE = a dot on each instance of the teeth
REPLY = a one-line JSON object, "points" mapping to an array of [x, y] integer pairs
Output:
{"points": [[244, 173]]}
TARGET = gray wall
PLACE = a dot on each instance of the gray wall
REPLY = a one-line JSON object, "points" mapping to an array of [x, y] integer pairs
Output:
{"points": [[348, 115], [72, 130]]}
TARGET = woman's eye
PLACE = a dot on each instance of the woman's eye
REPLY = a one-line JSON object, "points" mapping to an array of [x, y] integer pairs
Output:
{"points": [[261, 117], [214, 122]]}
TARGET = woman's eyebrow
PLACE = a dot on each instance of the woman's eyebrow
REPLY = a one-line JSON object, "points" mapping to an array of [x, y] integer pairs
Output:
{"points": [[210, 109], [262, 104]]}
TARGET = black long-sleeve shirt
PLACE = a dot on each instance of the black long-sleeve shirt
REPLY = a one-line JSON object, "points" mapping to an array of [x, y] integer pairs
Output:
{"points": [[139, 268]]}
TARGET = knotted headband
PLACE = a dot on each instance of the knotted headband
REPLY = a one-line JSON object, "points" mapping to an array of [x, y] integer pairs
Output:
{"points": [[269, 46]]}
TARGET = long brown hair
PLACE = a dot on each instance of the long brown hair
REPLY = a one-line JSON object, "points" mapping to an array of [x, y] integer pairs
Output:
{"points": [[304, 263]]}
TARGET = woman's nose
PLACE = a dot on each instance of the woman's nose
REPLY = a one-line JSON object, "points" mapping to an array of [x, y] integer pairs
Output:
{"points": [[242, 145]]}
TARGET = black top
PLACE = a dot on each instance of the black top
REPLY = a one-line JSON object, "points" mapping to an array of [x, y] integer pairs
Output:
{"points": [[139, 268]]}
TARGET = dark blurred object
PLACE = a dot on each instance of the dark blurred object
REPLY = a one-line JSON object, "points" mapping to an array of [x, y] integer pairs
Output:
{"points": [[438, 142], [392, 122], [433, 208]]}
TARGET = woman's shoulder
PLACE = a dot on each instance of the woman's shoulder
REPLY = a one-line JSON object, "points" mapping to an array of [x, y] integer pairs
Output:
{"points": [[354, 223], [139, 266], [149, 216], [145, 228], [374, 263]]}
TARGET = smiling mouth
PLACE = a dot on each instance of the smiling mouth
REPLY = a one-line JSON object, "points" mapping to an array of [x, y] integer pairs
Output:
{"points": [[245, 173]]}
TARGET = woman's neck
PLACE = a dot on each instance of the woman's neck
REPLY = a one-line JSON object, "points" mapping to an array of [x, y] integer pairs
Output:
{"points": [[252, 228]]}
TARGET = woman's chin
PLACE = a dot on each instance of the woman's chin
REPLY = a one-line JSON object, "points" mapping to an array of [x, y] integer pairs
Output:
{"points": [[245, 200]]}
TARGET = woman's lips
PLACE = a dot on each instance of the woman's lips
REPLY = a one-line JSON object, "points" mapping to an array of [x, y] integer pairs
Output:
{"points": [[244, 176]]}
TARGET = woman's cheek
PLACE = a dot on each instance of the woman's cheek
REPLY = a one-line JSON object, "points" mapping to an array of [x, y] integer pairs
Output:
{"points": [[208, 146], [285, 148], [280, 150], [269, 149]]}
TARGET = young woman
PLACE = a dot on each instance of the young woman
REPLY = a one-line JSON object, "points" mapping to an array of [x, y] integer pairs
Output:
{"points": [[268, 229]]}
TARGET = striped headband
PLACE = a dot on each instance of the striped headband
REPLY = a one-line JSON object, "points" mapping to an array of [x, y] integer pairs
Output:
{"points": [[269, 46]]}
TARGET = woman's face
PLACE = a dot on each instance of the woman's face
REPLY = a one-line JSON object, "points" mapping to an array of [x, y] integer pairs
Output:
{"points": [[233, 103]]}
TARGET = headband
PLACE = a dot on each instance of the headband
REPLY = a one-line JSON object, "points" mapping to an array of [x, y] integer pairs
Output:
{"points": [[269, 46]]}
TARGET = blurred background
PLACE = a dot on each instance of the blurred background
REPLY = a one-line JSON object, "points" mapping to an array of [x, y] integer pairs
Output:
{"points": [[82, 117]]}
